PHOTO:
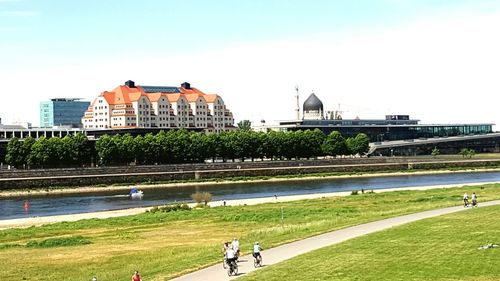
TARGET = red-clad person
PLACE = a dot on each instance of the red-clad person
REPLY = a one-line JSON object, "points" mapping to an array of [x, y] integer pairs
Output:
{"points": [[136, 276]]}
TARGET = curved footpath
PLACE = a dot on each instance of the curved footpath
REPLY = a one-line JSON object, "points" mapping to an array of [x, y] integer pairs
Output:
{"points": [[37, 221], [287, 251]]}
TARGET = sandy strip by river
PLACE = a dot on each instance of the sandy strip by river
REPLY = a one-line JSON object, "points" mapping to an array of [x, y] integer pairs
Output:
{"points": [[37, 221]]}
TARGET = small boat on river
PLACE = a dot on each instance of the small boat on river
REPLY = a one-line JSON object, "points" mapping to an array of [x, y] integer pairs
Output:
{"points": [[136, 193]]}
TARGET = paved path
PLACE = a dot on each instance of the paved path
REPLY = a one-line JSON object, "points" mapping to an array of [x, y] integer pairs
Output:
{"points": [[291, 250]]}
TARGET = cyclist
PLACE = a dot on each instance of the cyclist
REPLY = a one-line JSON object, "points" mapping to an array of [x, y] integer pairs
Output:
{"points": [[236, 246], [224, 250], [256, 250], [474, 199], [231, 257], [466, 200]]}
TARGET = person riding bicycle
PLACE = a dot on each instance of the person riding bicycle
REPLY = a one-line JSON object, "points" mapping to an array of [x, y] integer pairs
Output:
{"points": [[236, 246], [224, 249], [230, 256], [466, 200], [256, 250], [474, 199]]}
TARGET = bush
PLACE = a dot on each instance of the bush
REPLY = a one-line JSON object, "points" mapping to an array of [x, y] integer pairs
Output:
{"points": [[171, 208], [200, 197], [354, 192]]}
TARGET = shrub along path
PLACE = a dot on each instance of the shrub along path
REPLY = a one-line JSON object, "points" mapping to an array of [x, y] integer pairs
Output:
{"points": [[291, 250]]}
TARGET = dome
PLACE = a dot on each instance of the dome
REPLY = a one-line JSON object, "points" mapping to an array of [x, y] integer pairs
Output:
{"points": [[312, 103]]}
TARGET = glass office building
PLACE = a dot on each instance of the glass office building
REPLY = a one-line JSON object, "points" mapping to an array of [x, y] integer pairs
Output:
{"points": [[62, 112], [387, 130]]}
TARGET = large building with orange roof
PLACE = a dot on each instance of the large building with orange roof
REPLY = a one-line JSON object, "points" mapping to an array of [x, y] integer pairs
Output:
{"points": [[131, 106]]}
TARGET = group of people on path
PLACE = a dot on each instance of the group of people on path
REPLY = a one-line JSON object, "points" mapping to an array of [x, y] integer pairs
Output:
{"points": [[231, 250], [473, 198]]}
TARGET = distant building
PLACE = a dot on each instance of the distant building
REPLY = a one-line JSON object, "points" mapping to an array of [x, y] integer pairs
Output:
{"points": [[132, 106], [392, 128], [62, 112]]}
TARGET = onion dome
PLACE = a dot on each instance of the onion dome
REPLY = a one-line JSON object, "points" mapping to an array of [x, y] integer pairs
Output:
{"points": [[312, 103]]}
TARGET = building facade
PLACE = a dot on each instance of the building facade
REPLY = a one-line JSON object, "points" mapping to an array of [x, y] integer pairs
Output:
{"points": [[392, 128], [62, 112], [131, 106]]}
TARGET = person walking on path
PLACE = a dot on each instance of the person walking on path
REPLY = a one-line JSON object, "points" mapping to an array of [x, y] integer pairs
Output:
{"points": [[466, 200]]}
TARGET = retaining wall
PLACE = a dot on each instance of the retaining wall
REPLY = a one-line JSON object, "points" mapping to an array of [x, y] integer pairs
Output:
{"points": [[144, 174]]}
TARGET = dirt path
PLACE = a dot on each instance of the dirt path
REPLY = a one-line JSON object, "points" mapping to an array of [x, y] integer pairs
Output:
{"points": [[287, 251]]}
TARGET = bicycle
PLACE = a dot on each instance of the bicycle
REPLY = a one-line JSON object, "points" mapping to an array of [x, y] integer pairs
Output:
{"points": [[232, 268], [257, 261]]}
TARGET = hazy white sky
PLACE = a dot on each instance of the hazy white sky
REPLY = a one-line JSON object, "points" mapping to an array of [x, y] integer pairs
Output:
{"points": [[438, 61]]}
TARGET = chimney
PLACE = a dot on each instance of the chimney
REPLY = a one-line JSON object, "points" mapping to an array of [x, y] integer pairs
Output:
{"points": [[186, 85], [130, 84]]}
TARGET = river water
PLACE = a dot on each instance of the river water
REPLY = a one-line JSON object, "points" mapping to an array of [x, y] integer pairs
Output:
{"points": [[83, 203]]}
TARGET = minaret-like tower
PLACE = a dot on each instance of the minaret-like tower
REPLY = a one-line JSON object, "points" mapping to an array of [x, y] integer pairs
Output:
{"points": [[297, 109]]}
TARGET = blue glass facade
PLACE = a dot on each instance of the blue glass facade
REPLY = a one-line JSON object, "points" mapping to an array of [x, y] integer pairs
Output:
{"points": [[62, 112]]}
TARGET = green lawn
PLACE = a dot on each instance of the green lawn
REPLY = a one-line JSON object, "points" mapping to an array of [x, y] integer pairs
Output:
{"points": [[164, 245], [441, 248]]}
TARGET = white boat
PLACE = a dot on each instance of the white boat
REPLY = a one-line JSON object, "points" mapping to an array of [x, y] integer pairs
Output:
{"points": [[136, 194]]}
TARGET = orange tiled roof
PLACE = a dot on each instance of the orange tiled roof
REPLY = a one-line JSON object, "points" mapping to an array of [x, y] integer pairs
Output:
{"points": [[173, 97], [154, 97], [192, 97], [126, 95], [211, 98]]}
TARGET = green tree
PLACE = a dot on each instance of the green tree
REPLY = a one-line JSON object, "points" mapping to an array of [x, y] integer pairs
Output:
{"points": [[27, 145], [335, 144], [313, 141], [40, 153], [105, 149], [15, 155], [245, 125], [359, 144]]}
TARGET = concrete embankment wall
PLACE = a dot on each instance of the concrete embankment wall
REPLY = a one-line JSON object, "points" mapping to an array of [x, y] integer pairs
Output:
{"points": [[165, 173]]}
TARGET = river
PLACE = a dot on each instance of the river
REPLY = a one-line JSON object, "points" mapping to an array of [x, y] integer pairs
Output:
{"points": [[11, 208]]}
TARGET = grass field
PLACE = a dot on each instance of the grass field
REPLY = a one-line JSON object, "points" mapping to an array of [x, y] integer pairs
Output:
{"points": [[164, 245], [442, 248]]}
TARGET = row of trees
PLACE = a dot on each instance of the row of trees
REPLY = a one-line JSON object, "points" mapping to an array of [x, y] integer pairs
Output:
{"points": [[180, 146], [70, 151]]}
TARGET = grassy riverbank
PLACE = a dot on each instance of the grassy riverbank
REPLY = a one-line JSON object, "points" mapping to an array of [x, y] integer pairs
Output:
{"points": [[441, 248], [164, 245]]}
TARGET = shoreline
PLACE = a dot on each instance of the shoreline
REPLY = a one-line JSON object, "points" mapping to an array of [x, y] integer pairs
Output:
{"points": [[39, 221], [105, 189]]}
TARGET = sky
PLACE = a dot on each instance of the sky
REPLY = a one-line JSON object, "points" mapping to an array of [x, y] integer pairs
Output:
{"points": [[435, 60]]}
